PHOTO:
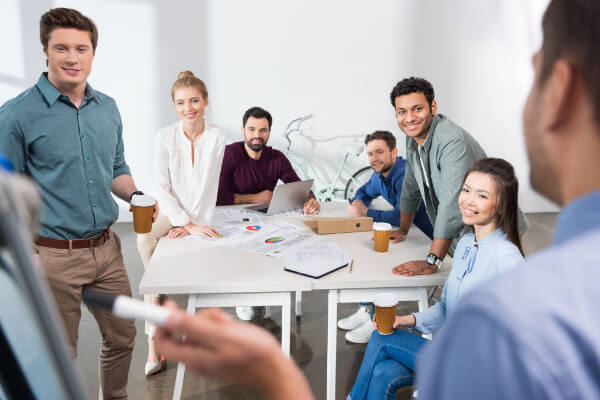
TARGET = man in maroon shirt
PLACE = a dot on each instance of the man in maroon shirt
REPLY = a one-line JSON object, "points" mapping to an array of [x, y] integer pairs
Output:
{"points": [[251, 169]]}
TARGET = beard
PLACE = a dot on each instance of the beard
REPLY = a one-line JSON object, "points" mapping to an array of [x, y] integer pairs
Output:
{"points": [[256, 146], [385, 168]]}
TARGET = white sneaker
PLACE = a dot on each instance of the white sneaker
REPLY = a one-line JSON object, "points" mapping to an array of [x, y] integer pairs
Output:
{"points": [[245, 313], [362, 334], [355, 320]]}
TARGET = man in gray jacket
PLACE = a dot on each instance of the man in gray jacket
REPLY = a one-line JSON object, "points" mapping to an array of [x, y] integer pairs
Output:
{"points": [[438, 154]]}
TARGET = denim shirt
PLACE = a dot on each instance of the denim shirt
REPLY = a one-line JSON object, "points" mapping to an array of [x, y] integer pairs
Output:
{"points": [[390, 187], [73, 155], [533, 332], [474, 262]]}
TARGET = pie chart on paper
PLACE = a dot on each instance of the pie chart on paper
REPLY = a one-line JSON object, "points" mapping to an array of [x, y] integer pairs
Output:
{"points": [[274, 239], [254, 227]]}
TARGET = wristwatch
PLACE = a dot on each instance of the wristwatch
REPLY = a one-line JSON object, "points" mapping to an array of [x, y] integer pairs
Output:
{"points": [[432, 259], [135, 193]]}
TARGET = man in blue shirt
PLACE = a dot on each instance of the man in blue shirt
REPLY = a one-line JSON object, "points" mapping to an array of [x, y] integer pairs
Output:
{"points": [[68, 138], [386, 181], [533, 333]]}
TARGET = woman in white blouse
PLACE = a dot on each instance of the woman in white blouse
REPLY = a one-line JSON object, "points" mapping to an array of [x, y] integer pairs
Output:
{"points": [[188, 156]]}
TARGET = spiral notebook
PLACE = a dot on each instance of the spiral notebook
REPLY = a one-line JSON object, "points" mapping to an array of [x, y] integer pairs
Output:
{"points": [[316, 260]]}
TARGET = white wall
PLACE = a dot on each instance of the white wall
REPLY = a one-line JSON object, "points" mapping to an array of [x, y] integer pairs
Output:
{"points": [[336, 59]]}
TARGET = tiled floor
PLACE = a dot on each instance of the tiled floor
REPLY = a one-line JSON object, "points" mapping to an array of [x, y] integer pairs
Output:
{"points": [[307, 342]]}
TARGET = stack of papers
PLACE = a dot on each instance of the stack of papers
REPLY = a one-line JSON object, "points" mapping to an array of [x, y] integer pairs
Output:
{"points": [[316, 260]]}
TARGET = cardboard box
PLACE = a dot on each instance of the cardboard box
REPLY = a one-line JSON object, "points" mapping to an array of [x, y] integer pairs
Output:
{"points": [[324, 226]]}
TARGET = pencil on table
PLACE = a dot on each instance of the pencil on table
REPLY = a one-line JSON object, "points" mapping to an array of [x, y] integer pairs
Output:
{"points": [[351, 265], [219, 235]]}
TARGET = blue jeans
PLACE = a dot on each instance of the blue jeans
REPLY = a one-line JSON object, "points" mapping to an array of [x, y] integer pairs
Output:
{"points": [[388, 365]]}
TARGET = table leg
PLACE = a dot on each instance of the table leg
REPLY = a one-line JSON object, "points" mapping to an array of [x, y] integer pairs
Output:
{"points": [[424, 304], [331, 342], [298, 303], [191, 308], [286, 322]]}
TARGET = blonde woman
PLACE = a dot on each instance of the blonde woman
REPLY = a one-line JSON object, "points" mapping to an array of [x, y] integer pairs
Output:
{"points": [[188, 156]]}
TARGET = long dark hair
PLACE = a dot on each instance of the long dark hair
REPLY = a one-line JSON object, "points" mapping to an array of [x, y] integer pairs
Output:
{"points": [[507, 187]]}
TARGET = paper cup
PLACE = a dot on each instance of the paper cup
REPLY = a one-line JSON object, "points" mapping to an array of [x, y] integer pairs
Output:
{"points": [[385, 312], [143, 209], [382, 232]]}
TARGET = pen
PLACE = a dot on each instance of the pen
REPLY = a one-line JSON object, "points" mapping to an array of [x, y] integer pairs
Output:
{"points": [[219, 235], [351, 265]]}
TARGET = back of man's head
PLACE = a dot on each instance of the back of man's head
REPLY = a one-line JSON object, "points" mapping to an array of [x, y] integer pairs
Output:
{"points": [[572, 32], [257, 112]]}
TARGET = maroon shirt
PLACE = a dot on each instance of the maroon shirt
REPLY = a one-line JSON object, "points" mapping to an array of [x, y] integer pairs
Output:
{"points": [[242, 175]]}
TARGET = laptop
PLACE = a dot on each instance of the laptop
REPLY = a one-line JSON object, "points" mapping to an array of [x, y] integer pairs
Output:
{"points": [[286, 197]]}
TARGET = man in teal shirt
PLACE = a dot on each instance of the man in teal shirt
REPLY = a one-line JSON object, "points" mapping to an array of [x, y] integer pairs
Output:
{"points": [[68, 138]]}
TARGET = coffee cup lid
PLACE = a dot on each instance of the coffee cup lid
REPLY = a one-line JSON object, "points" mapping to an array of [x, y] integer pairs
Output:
{"points": [[142, 200], [382, 226], [384, 300]]}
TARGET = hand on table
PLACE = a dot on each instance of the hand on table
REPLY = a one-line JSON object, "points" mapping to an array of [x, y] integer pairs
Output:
{"points": [[411, 268], [221, 347], [177, 232], [357, 208], [263, 197], [312, 206], [201, 230]]}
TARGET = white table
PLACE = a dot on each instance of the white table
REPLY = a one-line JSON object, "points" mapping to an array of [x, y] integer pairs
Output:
{"points": [[214, 276]]}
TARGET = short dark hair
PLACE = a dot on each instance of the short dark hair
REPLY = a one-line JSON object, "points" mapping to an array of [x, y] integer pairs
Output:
{"points": [[389, 138], [257, 112], [412, 85], [507, 187], [572, 31], [66, 18]]}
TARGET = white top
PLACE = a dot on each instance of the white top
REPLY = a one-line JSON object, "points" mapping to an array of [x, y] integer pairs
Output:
{"points": [[185, 192]]}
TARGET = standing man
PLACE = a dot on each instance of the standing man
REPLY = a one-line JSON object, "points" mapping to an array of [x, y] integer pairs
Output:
{"points": [[67, 136], [533, 333], [386, 181], [438, 154], [251, 169]]}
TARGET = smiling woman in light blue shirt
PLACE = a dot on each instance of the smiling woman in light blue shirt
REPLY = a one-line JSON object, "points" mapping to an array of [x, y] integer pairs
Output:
{"points": [[488, 204]]}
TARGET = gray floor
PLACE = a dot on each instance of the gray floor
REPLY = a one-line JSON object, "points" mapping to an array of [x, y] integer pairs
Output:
{"points": [[307, 343]]}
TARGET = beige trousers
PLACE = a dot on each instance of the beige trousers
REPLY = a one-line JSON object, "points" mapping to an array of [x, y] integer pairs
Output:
{"points": [[101, 269], [146, 243]]}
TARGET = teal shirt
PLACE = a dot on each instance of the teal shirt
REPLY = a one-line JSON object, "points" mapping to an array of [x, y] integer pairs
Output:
{"points": [[73, 154]]}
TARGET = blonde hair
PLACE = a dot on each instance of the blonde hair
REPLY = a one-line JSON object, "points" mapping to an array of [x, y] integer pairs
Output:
{"points": [[187, 79]]}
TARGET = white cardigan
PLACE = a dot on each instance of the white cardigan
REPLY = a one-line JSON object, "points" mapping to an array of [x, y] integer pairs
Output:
{"points": [[185, 192]]}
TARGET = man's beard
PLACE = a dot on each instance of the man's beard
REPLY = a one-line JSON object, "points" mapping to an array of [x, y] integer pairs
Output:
{"points": [[256, 146], [386, 168]]}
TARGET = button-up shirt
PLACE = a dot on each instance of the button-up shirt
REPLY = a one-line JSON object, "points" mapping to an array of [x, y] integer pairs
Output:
{"points": [[532, 333], [474, 263], [73, 155], [188, 192], [390, 187]]}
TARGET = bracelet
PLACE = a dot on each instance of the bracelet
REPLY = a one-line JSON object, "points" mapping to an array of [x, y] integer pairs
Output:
{"points": [[134, 193]]}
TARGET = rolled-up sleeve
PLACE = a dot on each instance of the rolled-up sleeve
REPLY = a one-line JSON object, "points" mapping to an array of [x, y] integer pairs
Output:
{"points": [[120, 167], [455, 160], [12, 141], [410, 198]]}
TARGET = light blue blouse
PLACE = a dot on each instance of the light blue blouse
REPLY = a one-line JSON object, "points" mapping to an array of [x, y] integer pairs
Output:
{"points": [[474, 263]]}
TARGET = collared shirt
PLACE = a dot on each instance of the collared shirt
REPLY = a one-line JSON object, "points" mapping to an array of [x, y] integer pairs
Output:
{"points": [[446, 155], [73, 155], [241, 174], [532, 333], [188, 192], [474, 263], [390, 188]]}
